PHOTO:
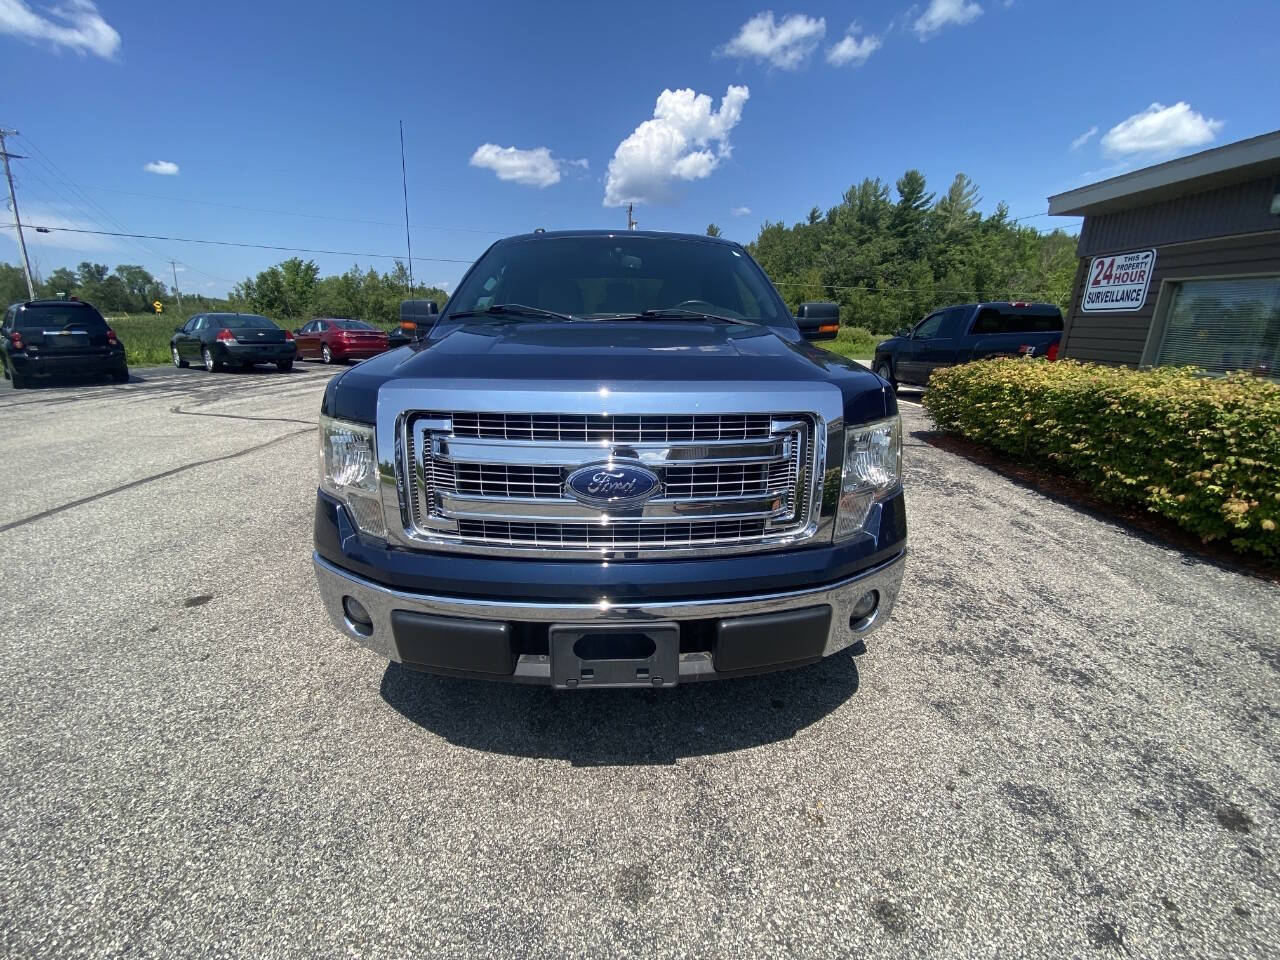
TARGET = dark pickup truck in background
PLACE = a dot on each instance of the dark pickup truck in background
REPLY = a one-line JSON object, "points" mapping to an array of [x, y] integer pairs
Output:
{"points": [[969, 331]]}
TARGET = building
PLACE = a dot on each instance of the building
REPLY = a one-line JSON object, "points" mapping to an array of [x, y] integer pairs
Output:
{"points": [[1180, 263]]}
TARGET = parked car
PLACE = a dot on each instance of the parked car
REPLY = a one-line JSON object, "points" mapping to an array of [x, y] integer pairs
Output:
{"points": [[969, 331], [44, 338], [215, 340], [335, 340], [612, 460]]}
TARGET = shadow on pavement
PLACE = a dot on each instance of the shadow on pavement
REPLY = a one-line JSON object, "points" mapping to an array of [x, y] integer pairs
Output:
{"points": [[622, 727]]}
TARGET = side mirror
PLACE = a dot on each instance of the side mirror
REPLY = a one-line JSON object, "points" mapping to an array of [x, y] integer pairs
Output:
{"points": [[417, 317], [177, 329], [818, 321], [904, 332]]}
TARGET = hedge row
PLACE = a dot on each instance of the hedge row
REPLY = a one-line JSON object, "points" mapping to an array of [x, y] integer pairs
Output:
{"points": [[1204, 452]]}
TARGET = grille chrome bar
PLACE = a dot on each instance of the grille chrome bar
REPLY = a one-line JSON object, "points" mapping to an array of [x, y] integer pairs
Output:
{"points": [[614, 536], [561, 454], [596, 428], [486, 508]]}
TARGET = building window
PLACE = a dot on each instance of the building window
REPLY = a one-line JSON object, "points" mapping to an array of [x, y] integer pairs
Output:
{"points": [[1224, 325]]}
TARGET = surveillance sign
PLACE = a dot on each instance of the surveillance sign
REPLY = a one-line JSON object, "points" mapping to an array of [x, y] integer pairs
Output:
{"points": [[1118, 283]]}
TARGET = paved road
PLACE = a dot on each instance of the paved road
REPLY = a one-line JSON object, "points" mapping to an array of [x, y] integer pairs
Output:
{"points": [[1065, 744]]}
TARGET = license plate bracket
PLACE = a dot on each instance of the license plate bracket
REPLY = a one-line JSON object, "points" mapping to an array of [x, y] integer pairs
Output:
{"points": [[614, 655]]}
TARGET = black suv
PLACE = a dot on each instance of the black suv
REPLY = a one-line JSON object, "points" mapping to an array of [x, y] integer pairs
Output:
{"points": [[969, 331], [47, 338]]}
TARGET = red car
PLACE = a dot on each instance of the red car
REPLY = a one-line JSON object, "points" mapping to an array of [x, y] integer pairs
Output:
{"points": [[335, 341]]}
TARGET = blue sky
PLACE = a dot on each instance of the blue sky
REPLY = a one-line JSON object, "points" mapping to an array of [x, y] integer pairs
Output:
{"points": [[293, 108]]}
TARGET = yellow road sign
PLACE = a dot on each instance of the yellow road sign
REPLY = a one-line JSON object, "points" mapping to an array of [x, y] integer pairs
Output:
{"points": [[159, 306]]}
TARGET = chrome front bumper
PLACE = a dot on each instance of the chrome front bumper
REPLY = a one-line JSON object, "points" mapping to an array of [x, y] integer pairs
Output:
{"points": [[337, 584]]}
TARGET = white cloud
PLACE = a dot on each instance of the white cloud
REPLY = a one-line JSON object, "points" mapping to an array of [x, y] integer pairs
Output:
{"points": [[75, 24], [1161, 129], [675, 145], [533, 168], [166, 168], [741, 211], [582, 162], [853, 49], [786, 43], [944, 13], [1084, 138]]}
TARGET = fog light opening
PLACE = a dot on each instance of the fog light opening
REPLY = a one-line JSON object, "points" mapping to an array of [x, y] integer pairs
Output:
{"points": [[358, 618], [864, 611]]}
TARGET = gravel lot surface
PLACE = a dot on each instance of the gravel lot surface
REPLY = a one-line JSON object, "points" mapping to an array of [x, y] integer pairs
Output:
{"points": [[1065, 744]]}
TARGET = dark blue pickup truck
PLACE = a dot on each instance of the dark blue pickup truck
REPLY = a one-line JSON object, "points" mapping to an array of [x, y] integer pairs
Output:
{"points": [[969, 331], [613, 459]]}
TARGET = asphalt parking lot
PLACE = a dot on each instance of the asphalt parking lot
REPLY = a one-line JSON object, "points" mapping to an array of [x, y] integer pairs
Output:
{"points": [[1065, 744]]}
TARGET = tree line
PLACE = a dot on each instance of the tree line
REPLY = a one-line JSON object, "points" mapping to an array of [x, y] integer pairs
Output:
{"points": [[291, 291], [890, 260], [127, 289], [294, 291]]}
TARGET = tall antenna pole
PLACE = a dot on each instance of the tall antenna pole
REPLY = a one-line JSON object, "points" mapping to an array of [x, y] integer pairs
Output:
{"points": [[176, 291], [404, 182], [13, 202]]}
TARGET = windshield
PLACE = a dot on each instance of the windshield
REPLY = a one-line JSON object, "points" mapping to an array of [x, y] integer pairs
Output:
{"points": [[352, 325], [243, 321], [58, 317], [609, 276]]}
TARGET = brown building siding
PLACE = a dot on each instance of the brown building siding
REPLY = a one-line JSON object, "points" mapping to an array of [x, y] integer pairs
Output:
{"points": [[1236, 209], [1120, 338]]}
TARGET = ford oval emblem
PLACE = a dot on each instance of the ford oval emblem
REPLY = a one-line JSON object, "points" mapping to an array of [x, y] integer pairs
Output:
{"points": [[612, 484]]}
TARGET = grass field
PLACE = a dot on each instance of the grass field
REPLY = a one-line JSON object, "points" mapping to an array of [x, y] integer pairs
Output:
{"points": [[146, 338], [856, 342], [145, 335]]}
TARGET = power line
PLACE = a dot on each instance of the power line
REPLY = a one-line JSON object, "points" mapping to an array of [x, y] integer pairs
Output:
{"points": [[111, 221], [887, 289], [294, 213], [56, 173], [231, 243]]}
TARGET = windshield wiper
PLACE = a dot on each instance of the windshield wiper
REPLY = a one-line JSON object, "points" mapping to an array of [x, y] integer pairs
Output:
{"points": [[678, 313], [514, 310]]}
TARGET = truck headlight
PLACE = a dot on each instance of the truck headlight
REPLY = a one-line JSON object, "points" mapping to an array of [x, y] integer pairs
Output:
{"points": [[872, 468], [349, 471]]}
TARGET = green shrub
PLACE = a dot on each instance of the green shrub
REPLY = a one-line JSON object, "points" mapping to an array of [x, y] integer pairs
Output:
{"points": [[1204, 452]]}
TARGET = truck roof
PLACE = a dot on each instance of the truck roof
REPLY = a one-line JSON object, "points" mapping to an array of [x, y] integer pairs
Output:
{"points": [[648, 234], [1023, 305]]}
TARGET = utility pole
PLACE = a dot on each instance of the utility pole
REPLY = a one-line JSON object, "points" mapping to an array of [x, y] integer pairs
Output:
{"points": [[13, 202], [631, 222], [176, 291]]}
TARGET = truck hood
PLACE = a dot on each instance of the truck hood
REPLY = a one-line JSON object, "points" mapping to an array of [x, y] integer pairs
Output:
{"points": [[614, 350], [608, 352]]}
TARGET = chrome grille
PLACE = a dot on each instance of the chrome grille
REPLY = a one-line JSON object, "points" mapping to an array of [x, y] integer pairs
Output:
{"points": [[498, 480]]}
